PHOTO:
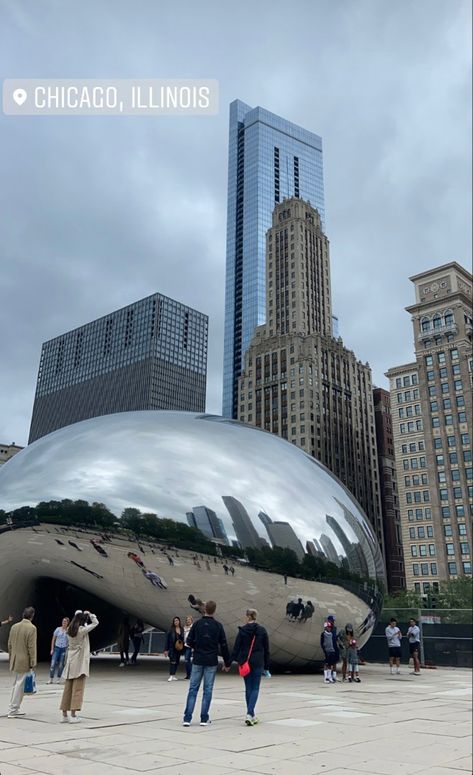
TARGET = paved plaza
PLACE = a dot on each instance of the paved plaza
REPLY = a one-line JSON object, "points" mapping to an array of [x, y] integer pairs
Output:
{"points": [[132, 723]]}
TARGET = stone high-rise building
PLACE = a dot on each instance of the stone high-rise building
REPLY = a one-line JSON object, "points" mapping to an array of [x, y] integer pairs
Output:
{"points": [[395, 572], [432, 427], [299, 381], [269, 158], [149, 355]]}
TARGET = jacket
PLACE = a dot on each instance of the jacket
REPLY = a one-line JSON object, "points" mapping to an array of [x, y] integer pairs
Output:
{"points": [[78, 655], [328, 641], [207, 637], [171, 638], [22, 646], [260, 652]]}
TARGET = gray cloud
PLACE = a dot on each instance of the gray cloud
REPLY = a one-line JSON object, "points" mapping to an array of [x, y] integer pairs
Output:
{"points": [[97, 212]]}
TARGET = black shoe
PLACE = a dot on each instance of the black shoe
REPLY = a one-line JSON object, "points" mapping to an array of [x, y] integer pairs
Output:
{"points": [[358, 680]]}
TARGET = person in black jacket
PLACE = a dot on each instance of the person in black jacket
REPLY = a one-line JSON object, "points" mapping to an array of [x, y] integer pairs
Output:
{"points": [[252, 645], [174, 647], [206, 637]]}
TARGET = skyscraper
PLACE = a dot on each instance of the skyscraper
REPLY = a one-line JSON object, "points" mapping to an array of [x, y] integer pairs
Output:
{"points": [[395, 572], [432, 427], [299, 381], [282, 534], [269, 159], [242, 524], [207, 521], [149, 355]]}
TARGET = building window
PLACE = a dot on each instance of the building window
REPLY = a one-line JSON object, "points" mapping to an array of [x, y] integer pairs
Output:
{"points": [[467, 568], [465, 548], [433, 568], [452, 568], [447, 531], [450, 549], [445, 512], [415, 569]]}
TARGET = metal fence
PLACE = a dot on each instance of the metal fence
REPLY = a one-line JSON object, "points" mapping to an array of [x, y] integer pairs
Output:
{"points": [[446, 636]]}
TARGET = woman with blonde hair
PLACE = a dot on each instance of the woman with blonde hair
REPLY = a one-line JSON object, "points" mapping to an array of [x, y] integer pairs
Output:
{"points": [[77, 664], [252, 646]]}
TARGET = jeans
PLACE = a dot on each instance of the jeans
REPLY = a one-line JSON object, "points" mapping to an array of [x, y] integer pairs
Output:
{"points": [[136, 646], [208, 673], [174, 659], [252, 684], [57, 662], [188, 660]]}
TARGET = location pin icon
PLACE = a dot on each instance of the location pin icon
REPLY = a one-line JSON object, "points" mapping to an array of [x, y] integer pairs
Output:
{"points": [[19, 95]]}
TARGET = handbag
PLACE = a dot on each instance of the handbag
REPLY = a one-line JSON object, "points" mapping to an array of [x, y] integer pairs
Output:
{"points": [[179, 645], [30, 683], [245, 668]]}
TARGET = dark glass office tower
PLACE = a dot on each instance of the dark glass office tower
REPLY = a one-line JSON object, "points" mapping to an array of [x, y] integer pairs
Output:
{"points": [[269, 159], [149, 355]]}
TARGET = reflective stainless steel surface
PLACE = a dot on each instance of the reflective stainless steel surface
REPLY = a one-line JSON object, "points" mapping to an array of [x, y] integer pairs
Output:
{"points": [[236, 483]]}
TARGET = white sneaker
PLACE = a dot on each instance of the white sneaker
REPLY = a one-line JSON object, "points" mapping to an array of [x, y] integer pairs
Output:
{"points": [[64, 720], [75, 719], [398, 671], [174, 678], [122, 664], [205, 723], [186, 723], [391, 670], [16, 713], [170, 678], [50, 681], [327, 681]]}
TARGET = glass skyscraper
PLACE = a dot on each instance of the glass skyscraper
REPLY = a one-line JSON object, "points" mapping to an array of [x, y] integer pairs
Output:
{"points": [[149, 355], [269, 159]]}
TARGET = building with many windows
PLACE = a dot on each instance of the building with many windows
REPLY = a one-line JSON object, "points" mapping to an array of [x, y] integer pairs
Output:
{"points": [[269, 159], [432, 426], [299, 381], [149, 355], [395, 571]]}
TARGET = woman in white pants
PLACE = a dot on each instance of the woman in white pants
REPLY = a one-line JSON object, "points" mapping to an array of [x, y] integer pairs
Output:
{"points": [[77, 665]]}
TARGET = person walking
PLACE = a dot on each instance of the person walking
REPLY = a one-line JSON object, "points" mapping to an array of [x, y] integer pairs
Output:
{"points": [[187, 648], [123, 641], [136, 634], [174, 647], [413, 634], [206, 638], [59, 644], [393, 637], [252, 646], [22, 652], [77, 666]]}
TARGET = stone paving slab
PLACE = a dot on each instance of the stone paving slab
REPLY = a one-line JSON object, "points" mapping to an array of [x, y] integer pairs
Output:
{"points": [[387, 725]]}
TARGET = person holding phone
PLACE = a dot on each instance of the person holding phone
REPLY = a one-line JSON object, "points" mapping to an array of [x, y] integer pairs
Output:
{"points": [[77, 665], [393, 637]]}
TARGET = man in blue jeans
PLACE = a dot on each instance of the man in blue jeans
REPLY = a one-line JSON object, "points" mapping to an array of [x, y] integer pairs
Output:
{"points": [[206, 637]]}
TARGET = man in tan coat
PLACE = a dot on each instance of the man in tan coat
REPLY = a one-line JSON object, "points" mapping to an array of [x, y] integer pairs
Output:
{"points": [[22, 651]]}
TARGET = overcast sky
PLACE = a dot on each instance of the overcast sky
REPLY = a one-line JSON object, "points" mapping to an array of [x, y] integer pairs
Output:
{"points": [[98, 212]]}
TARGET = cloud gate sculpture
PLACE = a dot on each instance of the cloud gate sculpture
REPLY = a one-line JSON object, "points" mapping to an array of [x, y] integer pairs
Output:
{"points": [[240, 486]]}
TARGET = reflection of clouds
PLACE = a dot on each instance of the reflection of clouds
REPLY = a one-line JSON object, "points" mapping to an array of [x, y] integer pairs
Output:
{"points": [[167, 462]]}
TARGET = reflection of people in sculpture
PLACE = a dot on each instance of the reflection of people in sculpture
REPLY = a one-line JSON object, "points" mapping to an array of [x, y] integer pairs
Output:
{"points": [[308, 611], [367, 623], [196, 604], [136, 558], [294, 610], [156, 580]]}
